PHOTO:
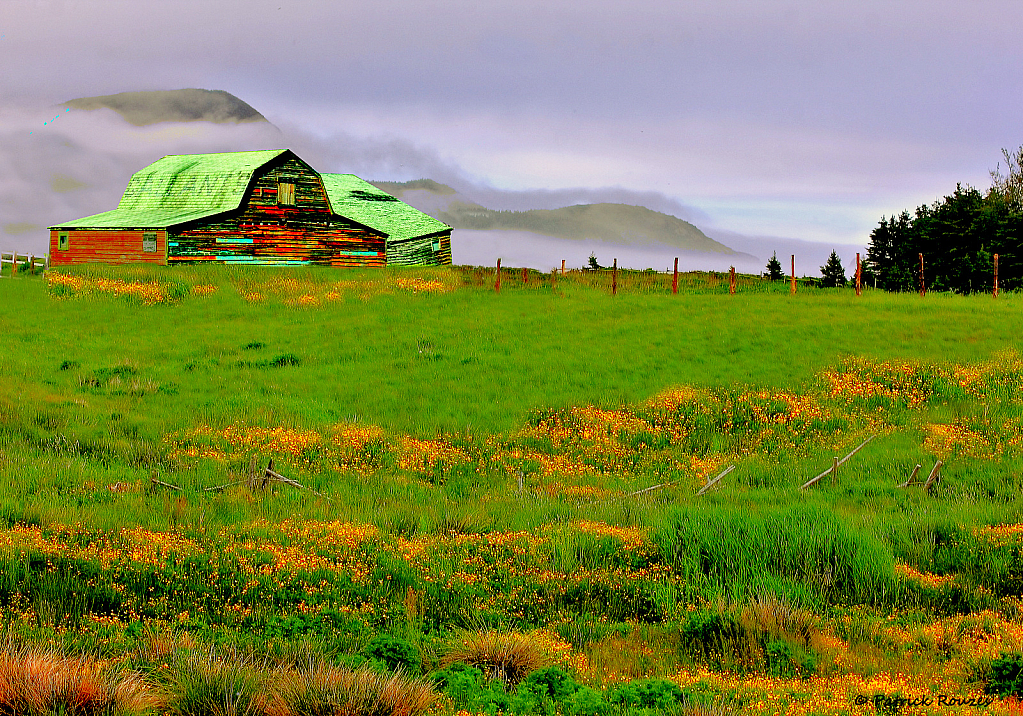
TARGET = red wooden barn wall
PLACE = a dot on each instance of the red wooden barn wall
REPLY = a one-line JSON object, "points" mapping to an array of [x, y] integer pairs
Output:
{"points": [[263, 231], [113, 246]]}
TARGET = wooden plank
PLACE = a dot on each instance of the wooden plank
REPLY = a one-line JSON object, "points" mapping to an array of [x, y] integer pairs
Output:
{"points": [[836, 464], [933, 478], [711, 483], [912, 476]]}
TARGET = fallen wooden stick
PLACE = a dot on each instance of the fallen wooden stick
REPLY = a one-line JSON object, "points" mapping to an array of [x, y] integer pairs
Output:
{"points": [[294, 483], [161, 483], [933, 478], [912, 476], [711, 483], [837, 464]]}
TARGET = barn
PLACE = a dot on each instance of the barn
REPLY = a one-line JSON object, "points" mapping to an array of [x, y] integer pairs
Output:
{"points": [[264, 207]]}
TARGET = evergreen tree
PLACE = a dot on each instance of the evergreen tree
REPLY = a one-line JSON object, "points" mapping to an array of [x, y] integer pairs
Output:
{"points": [[594, 266], [832, 273], [774, 267]]}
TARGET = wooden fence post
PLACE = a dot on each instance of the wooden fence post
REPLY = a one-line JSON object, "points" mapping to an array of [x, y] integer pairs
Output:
{"points": [[14, 263], [562, 267], [933, 478], [995, 293], [859, 289], [614, 278], [674, 278], [912, 476], [731, 280], [525, 276], [923, 286], [793, 274], [497, 283]]}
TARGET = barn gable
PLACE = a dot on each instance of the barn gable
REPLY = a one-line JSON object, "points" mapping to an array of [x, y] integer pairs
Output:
{"points": [[413, 238]]}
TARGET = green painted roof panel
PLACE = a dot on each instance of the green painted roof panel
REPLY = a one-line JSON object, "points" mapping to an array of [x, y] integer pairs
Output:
{"points": [[356, 199], [180, 188]]}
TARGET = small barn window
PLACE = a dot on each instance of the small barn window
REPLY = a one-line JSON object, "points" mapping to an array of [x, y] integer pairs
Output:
{"points": [[286, 194], [63, 243], [149, 242], [436, 245]]}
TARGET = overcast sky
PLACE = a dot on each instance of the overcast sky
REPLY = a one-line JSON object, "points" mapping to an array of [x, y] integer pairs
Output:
{"points": [[806, 120]]}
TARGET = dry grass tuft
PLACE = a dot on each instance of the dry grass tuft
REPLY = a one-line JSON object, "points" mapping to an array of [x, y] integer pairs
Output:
{"points": [[768, 614], [509, 657], [323, 690], [35, 680]]}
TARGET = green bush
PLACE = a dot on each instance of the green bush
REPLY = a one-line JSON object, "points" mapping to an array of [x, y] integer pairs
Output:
{"points": [[394, 652], [709, 632], [659, 694], [1006, 676]]}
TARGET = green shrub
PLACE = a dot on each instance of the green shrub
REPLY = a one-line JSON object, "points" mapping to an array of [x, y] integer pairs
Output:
{"points": [[394, 652], [659, 694], [1006, 677], [710, 632]]}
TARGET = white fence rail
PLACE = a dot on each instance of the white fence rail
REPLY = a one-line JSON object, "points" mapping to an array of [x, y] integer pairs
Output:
{"points": [[17, 260]]}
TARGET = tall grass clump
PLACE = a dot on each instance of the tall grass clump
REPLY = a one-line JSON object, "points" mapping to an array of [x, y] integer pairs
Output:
{"points": [[40, 681], [205, 682], [324, 690], [507, 657], [804, 552]]}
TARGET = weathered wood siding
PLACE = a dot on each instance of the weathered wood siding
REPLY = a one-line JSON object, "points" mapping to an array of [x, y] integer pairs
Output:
{"points": [[112, 246], [432, 250], [265, 232]]}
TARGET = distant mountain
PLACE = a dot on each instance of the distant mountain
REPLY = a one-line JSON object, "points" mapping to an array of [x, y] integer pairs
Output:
{"points": [[610, 223], [183, 105]]}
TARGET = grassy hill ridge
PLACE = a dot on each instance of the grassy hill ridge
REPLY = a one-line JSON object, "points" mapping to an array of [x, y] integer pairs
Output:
{"points": [[612, 223]]}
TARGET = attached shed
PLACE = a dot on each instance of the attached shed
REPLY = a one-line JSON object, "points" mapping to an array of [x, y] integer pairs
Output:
{"points": [[265, 207], [413, 238]]}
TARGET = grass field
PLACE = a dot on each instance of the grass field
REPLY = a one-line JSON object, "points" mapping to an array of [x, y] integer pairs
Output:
{"points": [[472, 503]]}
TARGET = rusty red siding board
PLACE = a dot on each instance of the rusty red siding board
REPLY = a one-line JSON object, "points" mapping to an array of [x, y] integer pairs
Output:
{"points": [[106, 246]]}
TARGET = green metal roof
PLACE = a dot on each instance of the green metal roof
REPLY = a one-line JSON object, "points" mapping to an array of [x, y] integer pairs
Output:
{"points": [[180, 188], [355, 199]]}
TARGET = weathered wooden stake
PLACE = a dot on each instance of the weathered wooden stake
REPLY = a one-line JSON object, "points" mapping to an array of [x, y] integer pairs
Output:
{"points": [[834, 467], [995, 293], [933, 478], [14, 263], [525, 275], [793, 274], [674, 278], [711, 483], [614, 278], [912, 476], [562, 267], [731, 280], [923, 286], [497, 282], [859, 289]]}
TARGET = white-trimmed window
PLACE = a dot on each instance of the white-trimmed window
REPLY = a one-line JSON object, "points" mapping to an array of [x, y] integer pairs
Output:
{"points": [[63, 241], [286, 194], [149, 242]]}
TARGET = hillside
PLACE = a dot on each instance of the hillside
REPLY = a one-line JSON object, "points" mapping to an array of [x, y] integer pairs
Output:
{"points": [[611, 223], [182, 105]]}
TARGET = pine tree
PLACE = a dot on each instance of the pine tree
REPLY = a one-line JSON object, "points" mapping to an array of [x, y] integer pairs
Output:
{"points": [[774, 267], [594, 266], [832, 273]]}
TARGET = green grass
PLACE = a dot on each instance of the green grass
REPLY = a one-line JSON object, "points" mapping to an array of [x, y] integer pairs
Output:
{"points": [[474, 529]]}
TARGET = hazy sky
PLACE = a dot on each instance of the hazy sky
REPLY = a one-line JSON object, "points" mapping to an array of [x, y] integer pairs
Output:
{"points": [[799, 119]]}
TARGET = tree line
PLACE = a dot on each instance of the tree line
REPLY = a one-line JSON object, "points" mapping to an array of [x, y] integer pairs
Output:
{"points": [[958, 237]]}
